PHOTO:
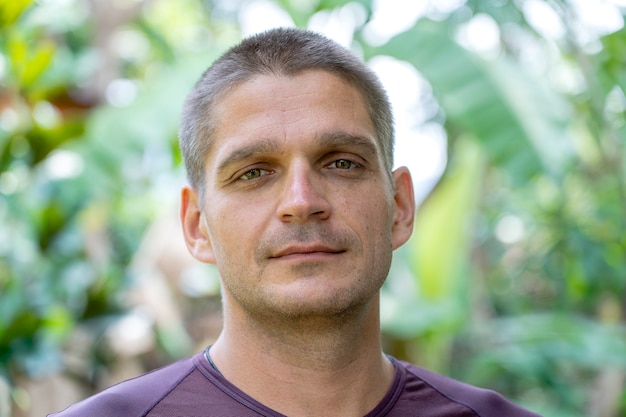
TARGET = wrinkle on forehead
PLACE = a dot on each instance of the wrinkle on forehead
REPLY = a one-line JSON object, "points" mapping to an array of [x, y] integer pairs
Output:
{"points": [[274, 103]]}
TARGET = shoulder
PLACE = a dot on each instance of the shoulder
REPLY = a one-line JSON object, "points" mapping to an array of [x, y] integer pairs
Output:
{"points": [[134, 397], [476, 401]]}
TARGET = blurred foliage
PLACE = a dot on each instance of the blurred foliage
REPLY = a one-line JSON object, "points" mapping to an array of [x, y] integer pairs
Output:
{"points": [[535, 282], [87, 148], [515, 278]]}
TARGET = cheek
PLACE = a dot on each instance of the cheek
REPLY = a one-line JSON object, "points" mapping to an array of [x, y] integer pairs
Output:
{"points": [[374, 218], [376, 207], [234, 231]]}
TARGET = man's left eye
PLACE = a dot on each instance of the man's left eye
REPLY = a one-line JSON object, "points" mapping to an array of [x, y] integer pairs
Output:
{"points": [[253, 174], [342, 164]]}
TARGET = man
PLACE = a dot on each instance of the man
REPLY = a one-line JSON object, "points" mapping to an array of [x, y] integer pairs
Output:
{"points": [[288, 143]]}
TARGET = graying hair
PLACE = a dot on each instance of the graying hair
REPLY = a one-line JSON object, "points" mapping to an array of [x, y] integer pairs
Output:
{"points": [[283, 51]]}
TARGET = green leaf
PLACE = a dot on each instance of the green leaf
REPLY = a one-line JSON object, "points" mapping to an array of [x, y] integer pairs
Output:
{"points": [[29, 59], [521, 125], [38, 62], [442, 227], [10, 11], [58, 322]]}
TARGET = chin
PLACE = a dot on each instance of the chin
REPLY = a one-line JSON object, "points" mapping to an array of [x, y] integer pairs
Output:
{"points": [[328, 304], [305, 298]]}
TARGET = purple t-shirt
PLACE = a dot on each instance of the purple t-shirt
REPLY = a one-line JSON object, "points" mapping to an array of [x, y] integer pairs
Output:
{"points": [[193, 388]]}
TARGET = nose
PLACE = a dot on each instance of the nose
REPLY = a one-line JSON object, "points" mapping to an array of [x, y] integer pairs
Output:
{"points": [[302, 198]]}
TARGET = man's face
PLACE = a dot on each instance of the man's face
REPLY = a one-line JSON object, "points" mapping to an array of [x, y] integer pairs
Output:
{"points": [[300, 217]]}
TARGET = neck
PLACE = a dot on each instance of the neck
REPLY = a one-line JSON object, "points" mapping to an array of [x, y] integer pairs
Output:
{"points": [[313, 365]]}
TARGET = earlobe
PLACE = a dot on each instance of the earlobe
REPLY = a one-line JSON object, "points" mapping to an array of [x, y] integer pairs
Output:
{"points": [[194, 226], [404, 207]]}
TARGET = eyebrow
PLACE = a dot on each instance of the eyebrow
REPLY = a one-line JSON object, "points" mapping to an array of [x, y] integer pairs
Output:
{"points": [[263, 146], [341, 139]]}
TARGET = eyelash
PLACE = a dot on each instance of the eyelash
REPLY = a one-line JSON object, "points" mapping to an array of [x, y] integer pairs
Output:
{"points": [[262, 172], [352, 164], [249, 176]]}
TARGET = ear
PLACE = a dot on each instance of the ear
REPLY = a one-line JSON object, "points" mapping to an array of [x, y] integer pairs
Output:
{"points": [[404, 207], [195, 227]]}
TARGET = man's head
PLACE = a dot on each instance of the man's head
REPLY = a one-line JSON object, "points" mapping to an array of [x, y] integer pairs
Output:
{"points": [[302, 211], [278, 52]]}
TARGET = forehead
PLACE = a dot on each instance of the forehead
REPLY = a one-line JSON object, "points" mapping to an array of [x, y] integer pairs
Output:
{"points": [[290, 108], [287, 92]]}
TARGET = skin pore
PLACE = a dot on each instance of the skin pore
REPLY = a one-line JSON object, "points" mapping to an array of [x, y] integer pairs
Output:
{"points": [[300, 219]]}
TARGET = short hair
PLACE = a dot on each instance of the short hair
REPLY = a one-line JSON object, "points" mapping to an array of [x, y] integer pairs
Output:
{"points": [[282, 51]]}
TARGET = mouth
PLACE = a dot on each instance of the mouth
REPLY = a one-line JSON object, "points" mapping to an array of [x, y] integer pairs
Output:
{"points": [[306, 252]]}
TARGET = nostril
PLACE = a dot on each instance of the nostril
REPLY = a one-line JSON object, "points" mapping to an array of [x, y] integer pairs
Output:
{"points": [[300, 210]]}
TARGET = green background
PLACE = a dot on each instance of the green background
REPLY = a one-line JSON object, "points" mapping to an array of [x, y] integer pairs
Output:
{"points": [[515, 277]]}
